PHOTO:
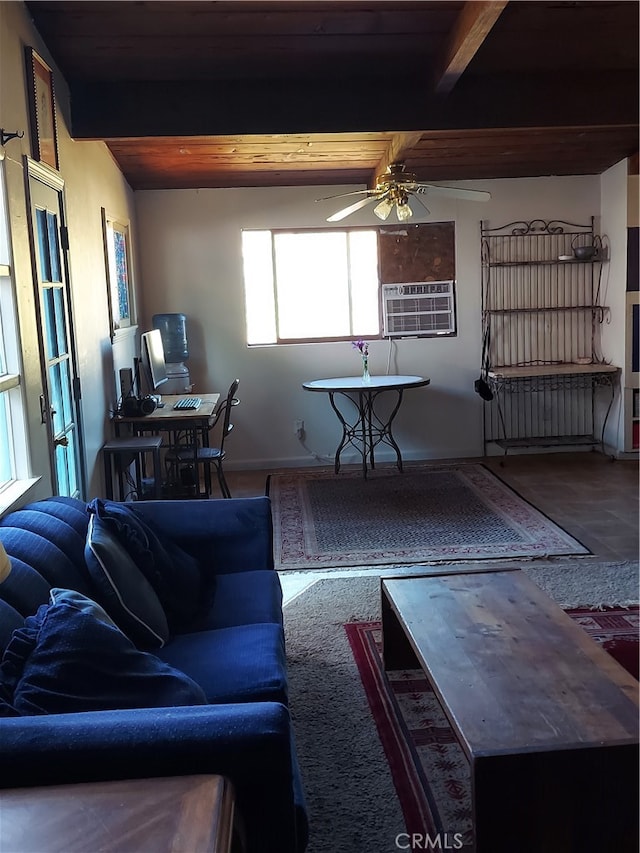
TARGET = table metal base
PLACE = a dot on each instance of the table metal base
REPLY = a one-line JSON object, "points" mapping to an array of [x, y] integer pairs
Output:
{"points": [[369, 430], [371, 427]]}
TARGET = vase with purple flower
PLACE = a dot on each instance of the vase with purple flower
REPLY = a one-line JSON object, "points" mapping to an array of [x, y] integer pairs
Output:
{"points": [[363, 348]]}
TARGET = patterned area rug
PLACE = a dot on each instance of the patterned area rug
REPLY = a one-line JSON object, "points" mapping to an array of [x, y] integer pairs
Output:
{"points": [[429, 769], [428, 514]]}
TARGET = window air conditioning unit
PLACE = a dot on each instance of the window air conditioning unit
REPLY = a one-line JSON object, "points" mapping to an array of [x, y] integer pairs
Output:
{"points": [[419, 308]]}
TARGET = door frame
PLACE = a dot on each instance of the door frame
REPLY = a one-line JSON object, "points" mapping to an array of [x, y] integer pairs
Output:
{"points": [[34, 170]]}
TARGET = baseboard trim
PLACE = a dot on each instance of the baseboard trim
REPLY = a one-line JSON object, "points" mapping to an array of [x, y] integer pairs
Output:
{"points": [[347, 459]]}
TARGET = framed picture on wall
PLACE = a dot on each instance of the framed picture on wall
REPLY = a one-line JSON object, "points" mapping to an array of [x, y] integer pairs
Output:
{"points": [[42, 109], [117, 253]]}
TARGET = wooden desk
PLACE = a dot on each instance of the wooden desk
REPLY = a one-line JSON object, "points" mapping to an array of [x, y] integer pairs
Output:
{"points": [[546, 717], [171, 421], [163, 815], [370, 428]]}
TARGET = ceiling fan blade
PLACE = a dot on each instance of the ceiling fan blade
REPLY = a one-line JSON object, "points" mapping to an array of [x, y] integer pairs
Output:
{"points": [[347, 211], [453, 192], [344, 195], [417, 198]]}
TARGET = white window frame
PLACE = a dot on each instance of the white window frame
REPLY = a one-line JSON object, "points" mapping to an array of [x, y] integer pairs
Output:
{"points": [[270, 295], [15, 473]]}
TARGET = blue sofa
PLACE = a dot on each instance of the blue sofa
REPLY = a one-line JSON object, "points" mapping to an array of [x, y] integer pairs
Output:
{"points": [[233, 649]]}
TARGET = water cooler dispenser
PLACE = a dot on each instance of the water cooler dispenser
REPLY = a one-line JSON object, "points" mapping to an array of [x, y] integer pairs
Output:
{"points": [[173, 329]]}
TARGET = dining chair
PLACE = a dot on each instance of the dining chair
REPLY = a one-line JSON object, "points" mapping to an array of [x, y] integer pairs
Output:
{"points": [[208, 456]]}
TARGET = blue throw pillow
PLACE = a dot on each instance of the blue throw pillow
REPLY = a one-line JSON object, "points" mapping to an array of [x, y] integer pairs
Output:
{"points": [[70, 657], [172, 572], [122, 589]]}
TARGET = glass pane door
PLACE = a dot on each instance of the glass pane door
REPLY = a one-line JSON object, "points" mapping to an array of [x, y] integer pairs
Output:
{"points": [[60, 409]]}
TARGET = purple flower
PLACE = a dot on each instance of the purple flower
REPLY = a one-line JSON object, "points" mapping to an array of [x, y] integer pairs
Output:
{"points": [[362, 346]]}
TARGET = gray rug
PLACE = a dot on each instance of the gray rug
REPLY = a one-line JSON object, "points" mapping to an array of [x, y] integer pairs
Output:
{"points": [[428, 514], [352, 801]]}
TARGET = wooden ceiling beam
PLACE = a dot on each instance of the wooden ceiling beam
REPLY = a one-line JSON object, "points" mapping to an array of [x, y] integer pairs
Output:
{"points": [[116, 109], [471, 28], [399, 146]]}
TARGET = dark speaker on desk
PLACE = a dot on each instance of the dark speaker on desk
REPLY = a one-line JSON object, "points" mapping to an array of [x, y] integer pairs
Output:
{"points": [[126, 382], [138, 407]]}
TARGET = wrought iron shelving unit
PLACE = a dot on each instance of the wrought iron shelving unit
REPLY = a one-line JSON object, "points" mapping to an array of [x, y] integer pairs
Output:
{"points": [[542, 313]]}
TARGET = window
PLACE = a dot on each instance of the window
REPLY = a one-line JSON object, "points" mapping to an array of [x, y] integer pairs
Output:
{"points": [[7, 382], [13, 446], [310, 285], [332, 284]]}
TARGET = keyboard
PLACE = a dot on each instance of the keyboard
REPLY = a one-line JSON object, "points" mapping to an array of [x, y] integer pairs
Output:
{"points": [[188, 403]]}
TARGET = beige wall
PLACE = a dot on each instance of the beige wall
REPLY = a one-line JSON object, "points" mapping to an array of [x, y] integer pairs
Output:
{"points": [[614, 337], [191, 262], [92, 181]]}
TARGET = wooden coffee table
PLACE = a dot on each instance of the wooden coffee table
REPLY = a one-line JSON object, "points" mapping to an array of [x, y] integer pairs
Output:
{"points": [[547, 719], [163, 815]]}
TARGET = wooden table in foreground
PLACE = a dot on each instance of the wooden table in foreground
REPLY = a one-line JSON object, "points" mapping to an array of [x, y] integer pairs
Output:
{"points": [[548, 719], [165, 815]]}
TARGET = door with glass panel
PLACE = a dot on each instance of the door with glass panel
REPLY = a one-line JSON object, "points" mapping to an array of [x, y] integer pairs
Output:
{"points": [[60, 401]]}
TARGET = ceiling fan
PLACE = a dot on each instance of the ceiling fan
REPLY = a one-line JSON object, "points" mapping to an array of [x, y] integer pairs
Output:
{"points": [[394, 188]]}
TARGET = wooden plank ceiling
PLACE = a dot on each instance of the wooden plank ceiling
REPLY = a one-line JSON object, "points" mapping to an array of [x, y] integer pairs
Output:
{"points": [[232, 94]]}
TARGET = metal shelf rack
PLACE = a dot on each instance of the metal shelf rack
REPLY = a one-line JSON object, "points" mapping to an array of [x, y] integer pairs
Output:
{"points": [[542, 312]]}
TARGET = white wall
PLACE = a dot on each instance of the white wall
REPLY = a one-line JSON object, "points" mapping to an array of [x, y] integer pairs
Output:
{"points": [[190, 260], [92, 181], [614, 342]]}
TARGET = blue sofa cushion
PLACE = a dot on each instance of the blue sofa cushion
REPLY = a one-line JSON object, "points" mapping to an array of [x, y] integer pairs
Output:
{"points": [[71, 657], [243, 598], [24, 589], [174, 574], [242, 664], [122, 589], [10, 620], [70, 510], [57, 531], [45, 552]]}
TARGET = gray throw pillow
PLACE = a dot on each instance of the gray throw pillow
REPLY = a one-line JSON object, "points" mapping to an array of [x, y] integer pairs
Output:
{"points": [[172, 572], [122, 589]]}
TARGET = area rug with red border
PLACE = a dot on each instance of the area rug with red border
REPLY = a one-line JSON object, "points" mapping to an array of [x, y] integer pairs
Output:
{"points": [[428, 767], [427, 514]]}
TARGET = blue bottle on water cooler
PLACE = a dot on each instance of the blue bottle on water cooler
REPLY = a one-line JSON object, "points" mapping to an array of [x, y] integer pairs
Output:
{"points": [[173, 330]]}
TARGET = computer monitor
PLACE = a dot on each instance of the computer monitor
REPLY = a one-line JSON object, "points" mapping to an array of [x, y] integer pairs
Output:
{"points": [[152, 354]]}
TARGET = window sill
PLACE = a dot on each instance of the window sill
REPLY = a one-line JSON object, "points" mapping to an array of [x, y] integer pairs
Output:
{"points": [[16, 495], [124, 334]]}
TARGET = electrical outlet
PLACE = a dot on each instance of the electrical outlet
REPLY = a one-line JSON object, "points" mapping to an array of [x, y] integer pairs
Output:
{"points": [[298, 428]]}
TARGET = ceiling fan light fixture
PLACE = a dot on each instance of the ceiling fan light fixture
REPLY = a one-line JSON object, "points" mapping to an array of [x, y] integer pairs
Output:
{"points": [[394, 189], [383, 209], [403, 211]]}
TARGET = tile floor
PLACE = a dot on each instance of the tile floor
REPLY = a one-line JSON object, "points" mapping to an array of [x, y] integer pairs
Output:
{"points": [[591, 497]]}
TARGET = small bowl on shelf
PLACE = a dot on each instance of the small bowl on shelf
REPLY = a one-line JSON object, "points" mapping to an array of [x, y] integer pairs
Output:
{"points": [[583, 359], [585, 253]]}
